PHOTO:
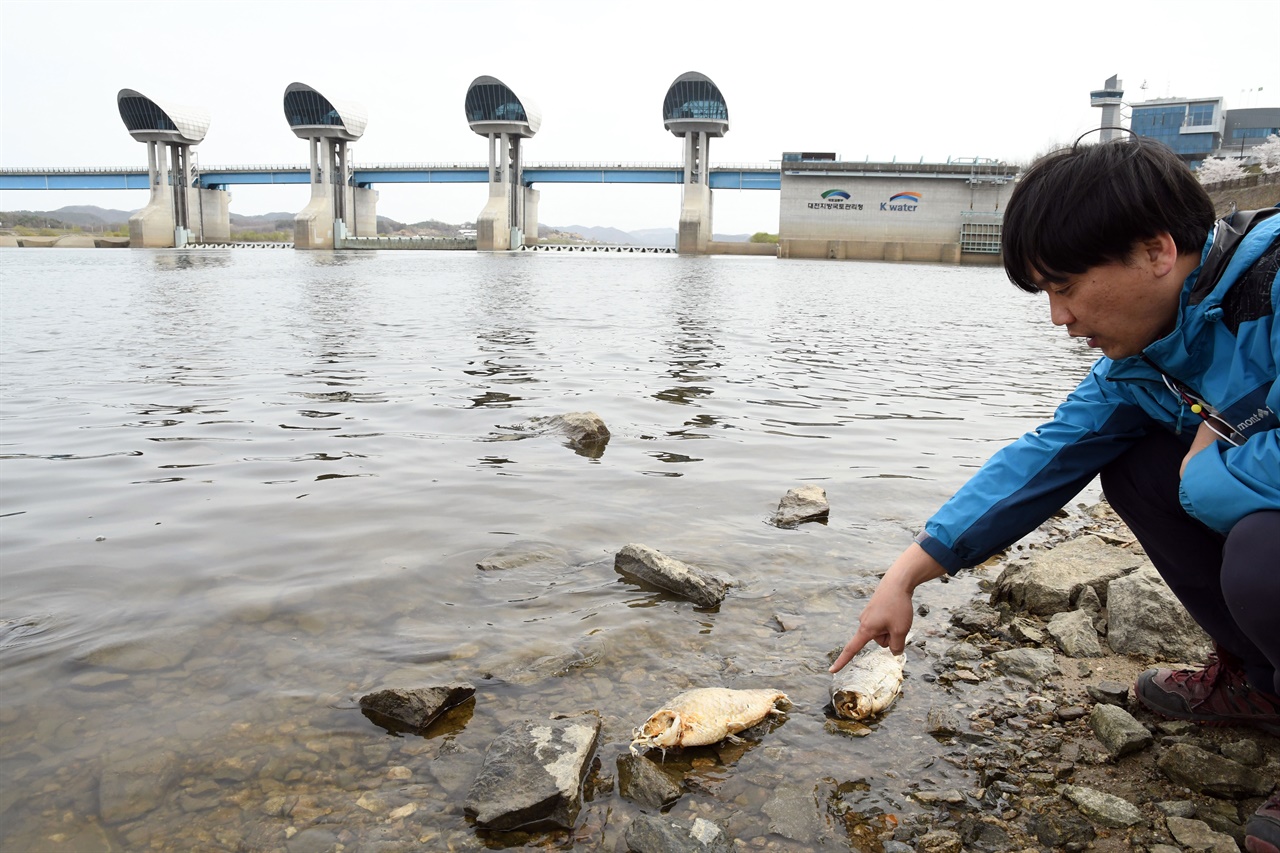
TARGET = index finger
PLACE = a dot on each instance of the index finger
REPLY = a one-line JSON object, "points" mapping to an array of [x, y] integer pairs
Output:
{"points": [[851, 648]]}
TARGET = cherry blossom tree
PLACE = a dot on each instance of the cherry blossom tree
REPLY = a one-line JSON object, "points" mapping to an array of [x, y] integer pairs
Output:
{"points": [[1268, 154], [1214, 170]]}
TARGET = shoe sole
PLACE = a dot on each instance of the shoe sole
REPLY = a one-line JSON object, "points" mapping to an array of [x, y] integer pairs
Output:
{"points": [[1217, 722], [1257, 845]]}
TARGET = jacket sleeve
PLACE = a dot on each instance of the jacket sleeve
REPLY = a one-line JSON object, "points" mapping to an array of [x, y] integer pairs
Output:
{"points": [[1222, 484], [1027, 481]]}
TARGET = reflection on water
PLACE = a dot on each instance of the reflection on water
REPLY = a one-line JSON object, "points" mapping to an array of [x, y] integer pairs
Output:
{"points": [[242, 489]]}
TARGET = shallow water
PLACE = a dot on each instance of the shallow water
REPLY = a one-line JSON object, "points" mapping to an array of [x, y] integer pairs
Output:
{"points": [[241, 489]]}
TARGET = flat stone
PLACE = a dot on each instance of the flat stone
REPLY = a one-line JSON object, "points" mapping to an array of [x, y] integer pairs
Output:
{"points": [[1198, 835], [793, 814], [801, 504], [1109, 693], [533, 772], [686, 581], [133, 785], [416, 707], [1101, 807], [1034, 665], [1207, 773], [142, 654]]}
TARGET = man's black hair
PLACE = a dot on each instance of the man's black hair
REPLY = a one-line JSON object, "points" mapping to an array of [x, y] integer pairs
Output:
{"points": [[1091, 204]]}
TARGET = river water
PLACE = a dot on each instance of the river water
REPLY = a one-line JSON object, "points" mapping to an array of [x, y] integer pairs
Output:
{"points": [[240, 489]]}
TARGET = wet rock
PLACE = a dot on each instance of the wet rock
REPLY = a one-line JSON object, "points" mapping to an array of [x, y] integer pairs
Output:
{"points": [[1034, 665], [652, 834], [940, 841], [132, 785], [1144, 618], [942, 721], [585, 431], [978, 616], [533, 773], [984, 834], [1061, 831], [1074, 633], [1198, 835], [793, 813], [642, 781], [1118, 731], [702, 588], [1207, 773], [1101, 807], [315, 839], [1109, 693], [1049, 582], [789, 621], [417, 707], [962, 651], [805, 503]]}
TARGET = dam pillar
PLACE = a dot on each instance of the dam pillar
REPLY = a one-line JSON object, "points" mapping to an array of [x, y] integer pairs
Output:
{"points": [[509, 218], [169, 132], [337, 208], [695, 110], [530, 216]]}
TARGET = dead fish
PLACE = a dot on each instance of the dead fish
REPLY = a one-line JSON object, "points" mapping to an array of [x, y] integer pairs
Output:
{"points": [[704, 716], [868, 684]]}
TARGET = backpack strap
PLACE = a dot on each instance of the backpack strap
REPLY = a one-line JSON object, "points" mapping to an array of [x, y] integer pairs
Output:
{"points": [[1227, 234]]}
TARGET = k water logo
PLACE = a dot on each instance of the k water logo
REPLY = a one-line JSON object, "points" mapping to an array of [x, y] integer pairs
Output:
{"points": [[835, 200], [902, 202]]}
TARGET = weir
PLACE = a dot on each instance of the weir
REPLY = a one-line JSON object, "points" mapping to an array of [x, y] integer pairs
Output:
{"points": [[337, 209], [179, 211], [509, 219]]}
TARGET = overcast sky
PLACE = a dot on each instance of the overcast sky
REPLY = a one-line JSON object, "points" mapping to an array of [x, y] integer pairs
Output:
{"points": [[907, 79]]}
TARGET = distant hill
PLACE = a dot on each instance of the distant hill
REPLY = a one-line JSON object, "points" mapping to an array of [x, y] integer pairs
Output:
{"points": [[92, 218]]}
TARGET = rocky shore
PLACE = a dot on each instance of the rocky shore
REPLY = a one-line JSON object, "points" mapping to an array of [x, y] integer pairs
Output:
{"points": [[1076, 763]]}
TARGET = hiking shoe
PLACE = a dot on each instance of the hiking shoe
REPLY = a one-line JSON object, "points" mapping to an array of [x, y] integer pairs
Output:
{"points": [[1262, 834], [1217, 695]]}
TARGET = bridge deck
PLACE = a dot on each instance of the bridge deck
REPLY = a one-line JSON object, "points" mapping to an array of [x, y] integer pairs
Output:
{"points": [[731, 176]]}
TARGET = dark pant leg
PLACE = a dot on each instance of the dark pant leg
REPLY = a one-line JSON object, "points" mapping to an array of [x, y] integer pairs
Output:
{"points": [[1142, 487], [1251, 586]]}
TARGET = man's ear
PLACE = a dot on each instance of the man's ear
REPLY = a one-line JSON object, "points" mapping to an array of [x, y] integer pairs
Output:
{"points": [[1161, 252]]}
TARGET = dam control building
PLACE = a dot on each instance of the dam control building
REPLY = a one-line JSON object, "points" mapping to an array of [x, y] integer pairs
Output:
{"points": [[949, 212]]}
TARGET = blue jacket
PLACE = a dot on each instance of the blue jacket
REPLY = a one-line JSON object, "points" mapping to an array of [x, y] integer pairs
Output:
{"points": [[1224, 350]]}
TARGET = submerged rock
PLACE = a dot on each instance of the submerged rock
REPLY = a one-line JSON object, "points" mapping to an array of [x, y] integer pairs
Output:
{"points": [[805, 503], [643, 562], [533, 772], [585, 431], [651, 834], [415, 708]]}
